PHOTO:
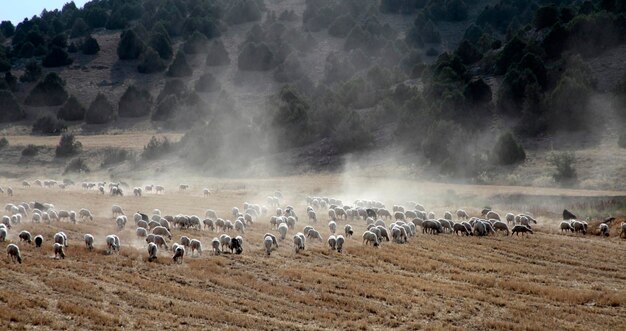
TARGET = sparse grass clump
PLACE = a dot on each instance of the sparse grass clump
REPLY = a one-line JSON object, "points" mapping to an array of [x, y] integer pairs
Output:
{"points": [[30, 150], [565, 172], [115, 156], [48, 124]]}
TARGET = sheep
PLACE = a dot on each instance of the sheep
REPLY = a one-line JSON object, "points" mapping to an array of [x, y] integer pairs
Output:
{"points": [[160, 230], [579, 227], [282, 230], [622, 230], [235, 211], [239, 226], [88, 241], [25, 184], [137, 191], [137, 217], [206, 192], [332, 214], [3, 234], [332, 242], [208, 223], [461, 214], [383, 232], [299, 241], [604, 229], [492, 215], [228, 225], [236, 245], [156, 212], [13, 252], [160, 241], [432, 226], [219, 224], [480, 228], [510, 218], [313, 234], [332, 226], [566, 226], [9, 191], [25, 236], [370, 237], [121, 222], [501, 226], [291, 222], [179, 254], [447, 216], [396, 234], [399, 216], [117, 210], [348, 230], [58, 251], [459, 227], [521, 229], [312, 216], [215, 244], [45, 217], [16, 219], [113, 243], [446, 224], [85, 213], [268, 242], [152, 252], [164, 223], [224, 240], [6, 220], [185, 241], [38, 240], [159, 189], [196, 246], [339, 242], [63, 214]]}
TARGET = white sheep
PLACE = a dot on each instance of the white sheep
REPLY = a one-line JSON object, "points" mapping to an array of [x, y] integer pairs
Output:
{"points": [[370, 237], [501, 226], [152, 252], [239, 226], [332, 242], [339, 242], [196, 246], [88, 241], [58, 251], [185, 241], [225, 241], [348, 230], [61, 238], [566, 226], [160, 241], [160, 230], [210, 213], [25, 236], [117, 210], [215, 244], [121, 222], [113, 243], [314, 234], [13, 252], [3, 234], [268, 243], [298, 241], [604, 229], [332, 226], [179, 254], [85, 213], [282, 230]]}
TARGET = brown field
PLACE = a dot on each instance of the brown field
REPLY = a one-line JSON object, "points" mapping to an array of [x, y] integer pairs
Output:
{"points": [[127, 140], [544, 281]]}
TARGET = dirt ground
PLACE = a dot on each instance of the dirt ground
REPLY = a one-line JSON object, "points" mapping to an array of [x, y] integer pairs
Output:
{"points": [[547, 280]]}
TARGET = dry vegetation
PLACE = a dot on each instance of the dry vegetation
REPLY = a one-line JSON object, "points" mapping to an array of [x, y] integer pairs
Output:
{"points": [[545, 281]]}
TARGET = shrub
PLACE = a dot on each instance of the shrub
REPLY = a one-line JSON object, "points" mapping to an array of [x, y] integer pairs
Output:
{"points": [[207, 83], [77, 165], [166, 108], [90, 46], [621, 141], [79, 28], [242, 11], [56, 57], [49, 125], [161, 43], [196, 43], [468, 53], [30, 150], [7, 28], [95, 17], [72, 110], [72, 48], [135, 102], [565, 173], [179, 67], [217, 54], [546, 16], [11, 110], [255, 57], [32, 72], [115, 156], [150, 62], [508, 151], [477, 92], [100, 111], [49, 92], [341, 26], [172, 87], [68, 146], [60, 40], [156, 148], [130, 46], [3, 142]]}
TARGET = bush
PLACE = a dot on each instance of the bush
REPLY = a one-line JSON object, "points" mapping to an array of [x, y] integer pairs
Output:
{"points": [[508, 151], [68, 146], [565, 173], [77, 165], [546, 16], [135, 102], [90, 46], [242, 11], [217, 54], [161, 43], [172, 87], [3, 142], [130, 46], [72, 48], [95, 17], [150, 62], [56, 57], [621, 141], [477, 92], [207, 83], [30, 150], [32, 72], [166, 108], [72, 110], [49, 125], [196, 43], [341, 26], [79, 28], [179, 67], [255, 57], [7, 28], [49, 92], [11, 110], [115, 156], [156, 148], [100, 111]]}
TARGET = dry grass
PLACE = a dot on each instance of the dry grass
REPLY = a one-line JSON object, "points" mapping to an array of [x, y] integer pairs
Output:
{"points": [[544, 281], [125, 140]]}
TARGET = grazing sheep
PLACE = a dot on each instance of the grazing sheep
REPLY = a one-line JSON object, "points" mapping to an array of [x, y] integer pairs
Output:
{"points": [[25, 236], [58, 251], [85, 213], [3, 234], [152, 252], [211, 214], [13, 252], [370, 237], [185, 241], [447, 216], [268, 242], [215, 244], [510, 218], [206, 192], [332, 214], [282, 230], [117, 210], [298, 242], [383, 232], [459, 227], [579, 227], [332, 242], [462, 214], [339, 242], [159, 189], [348, 230], [196, 246], [160, 230], [38, 240], [604, 229], [622, 230], [312, 216], [225, 240], [121, 222], [143, 224], [179, 254], [480, 228], [501, 226], [399, 216], [88, 241], [313, 234], [566, 226], [239, 227], [236, 245], [521, 229], [332, 226], [9, 191], [137, 191], [160, 241], [228, 225], [208, 223], [219, 224], [113, 243], [156, 212], [492, 215], [432, 226]]}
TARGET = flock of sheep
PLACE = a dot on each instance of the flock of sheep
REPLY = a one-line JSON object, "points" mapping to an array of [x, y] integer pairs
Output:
{"points": [[156, 229]]}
